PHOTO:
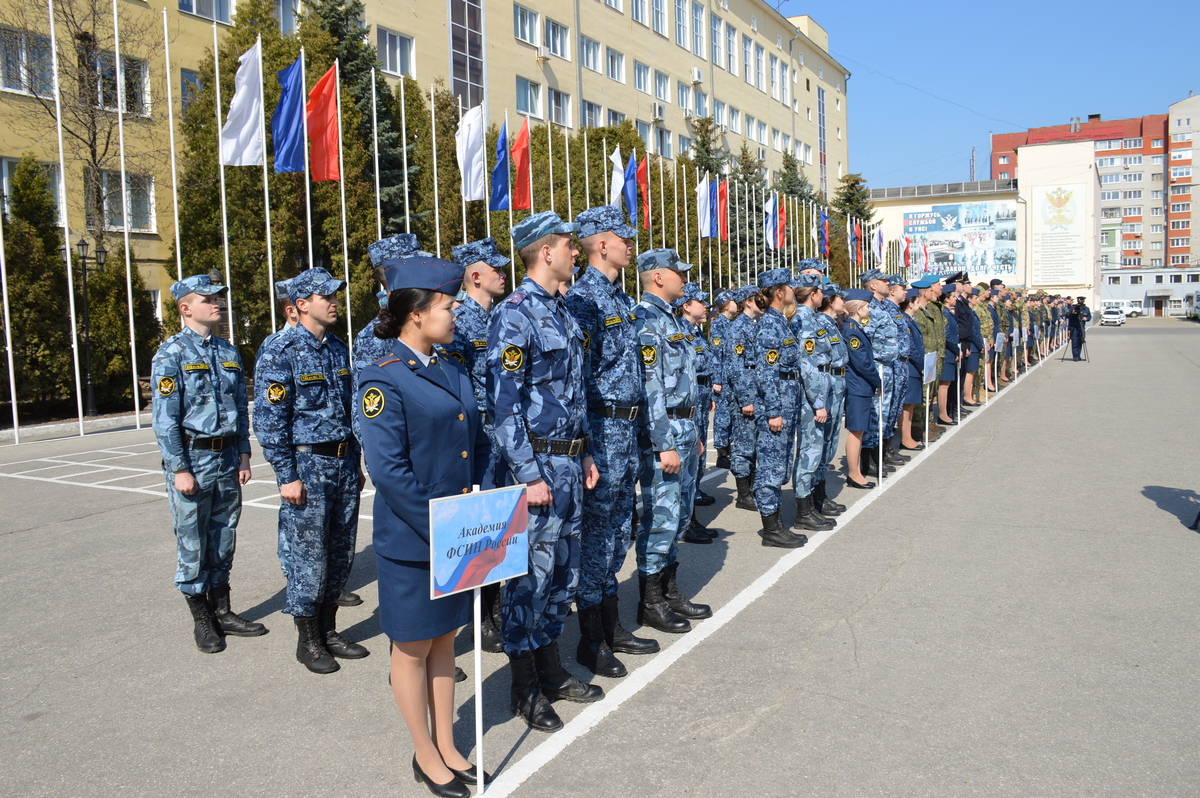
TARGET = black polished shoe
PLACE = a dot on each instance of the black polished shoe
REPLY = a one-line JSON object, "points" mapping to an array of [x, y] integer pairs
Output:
{"points": [[850, 483], [527, 700], [723, 458], [348, 599], [745, 494], [775, 536], [232, 623], [459, 676], [593, 652], [680, 604], [920, 447], [470, 775], [653, 610], [451, 789], [310, 646], [947, 423], [335, 644], [556, 682], [620, 639], [696, 534], [807, 517], [703, 499]]}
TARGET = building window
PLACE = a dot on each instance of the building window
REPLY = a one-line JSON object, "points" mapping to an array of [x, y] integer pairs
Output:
{"points": [[1156, 160], [1156, 246], [638, 9], [1132, 210], [1177, 190], [698, 29], [808, 154], [9, 165], [1131, 262], [615, 118], [685, 145], [1003, 159], [209, 9], [1114, 280], [1135, 194], [1180, 171], [1179, 207], [751, 127], [1180, 242], [1157, 143], [1156, 228], [1103, 162], [1106, 238], [25, 65], [1132, 144], [1111, 213], [1110, 179], [525, 25], [1193, 278], [529, 98], [1174, 304], [1131, 243], [189, 85], [1131, 160], [1108, 144], [590, 114], [136, 77], [560, 107], [662, 87], [285, 13], [1131, 177], [614, 64], [466, 51], [785, 88], [1155, 262], [681, 18], [1176, 278], [139, 196], [1004, 175], [1178, 137], [701, 103], [760, 68], [589, 53], [762, 132], [685, 95], [1135, 279], [731, 48], [1156, 194], [1134, 227], [662, 142], [735, 120], [1181, 224], [395, 52], [714, 35], [747, 59], [1156, 210], [787, 143], [613, 4], [719, 112], [1156, 177], [1110, 195], [1181, 260], [774, 78], [557, 39], [641, 77], [1158, 278], [658, 17]]}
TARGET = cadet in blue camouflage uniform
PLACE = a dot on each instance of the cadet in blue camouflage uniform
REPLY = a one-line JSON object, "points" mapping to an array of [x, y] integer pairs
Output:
{"points": [[537, 399], [287, 309], [670, 464], [692, 312], [776, 376], [613, 382], [737, 368], [881, 329], [203, 432], [812, 332], [302, 418], [891, 444], [729, 309], [831, 307]]}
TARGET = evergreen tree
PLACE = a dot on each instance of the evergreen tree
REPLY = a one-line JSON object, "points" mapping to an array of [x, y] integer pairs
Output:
{"points": [[706, 155], [747, 196], [853, 198]]}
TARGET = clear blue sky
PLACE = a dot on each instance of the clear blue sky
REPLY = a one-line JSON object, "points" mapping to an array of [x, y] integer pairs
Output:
{"points": [[932, 79]]}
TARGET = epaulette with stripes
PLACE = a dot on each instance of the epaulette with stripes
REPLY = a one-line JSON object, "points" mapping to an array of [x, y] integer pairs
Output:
{"points": [[381, 362]]}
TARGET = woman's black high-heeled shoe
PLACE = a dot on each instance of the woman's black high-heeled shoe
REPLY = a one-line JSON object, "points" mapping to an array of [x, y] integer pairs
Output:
{"points": [[850, 483], [471, 775], [452, 789]]}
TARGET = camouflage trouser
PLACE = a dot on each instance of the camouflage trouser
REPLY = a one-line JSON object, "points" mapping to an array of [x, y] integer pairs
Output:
{"points": [[722, 419], [607, 509], [667, 501], [702, 411], [321, 533], [206, 522], [810, 447], [871, 435], [899, 383], [831, 430], [743, 443], [774, 454], [534, 607]]}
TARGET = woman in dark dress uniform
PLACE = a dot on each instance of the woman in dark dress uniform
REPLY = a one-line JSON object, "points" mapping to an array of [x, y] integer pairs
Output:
{"points": [[423, 439]]}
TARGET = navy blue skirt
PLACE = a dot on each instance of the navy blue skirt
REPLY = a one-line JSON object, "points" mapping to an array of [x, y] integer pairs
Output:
{"points": [[406, 613], [858, 412], [973, 362], [950, 370], [912, 391]]}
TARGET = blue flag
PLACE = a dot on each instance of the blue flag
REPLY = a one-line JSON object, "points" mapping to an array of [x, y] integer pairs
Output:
{"points": [[823, 229], [499, 198], [631, 188], [712, 208], [287, 124]]}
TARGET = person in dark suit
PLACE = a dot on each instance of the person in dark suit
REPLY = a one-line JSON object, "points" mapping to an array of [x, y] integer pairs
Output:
{"points": [[423, 439]]}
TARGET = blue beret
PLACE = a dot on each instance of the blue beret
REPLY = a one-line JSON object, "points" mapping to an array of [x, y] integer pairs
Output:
{"points": [[281, 289], [949, 288], [873, 274], [807, 281], [432, 274], [483, 250], [912, 293], [382, 296], [403, 245], [196, 284], [314, 281], [530, 229], [653, 259], [858, 293], [925, 282], [773, 277], [604, 219]]}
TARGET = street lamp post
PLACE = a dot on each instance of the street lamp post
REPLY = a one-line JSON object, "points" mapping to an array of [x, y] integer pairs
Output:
{"points": [[101, 256]]}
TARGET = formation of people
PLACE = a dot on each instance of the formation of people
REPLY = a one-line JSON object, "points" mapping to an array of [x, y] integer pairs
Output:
{"points": [[570, 387]]}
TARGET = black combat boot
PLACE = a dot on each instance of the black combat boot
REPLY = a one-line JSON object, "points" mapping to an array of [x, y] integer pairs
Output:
{"points": [[680, 604], [775, 536], [723, 458], [892, 457], [208, 639], [703, 499], [335, 644], [808, 518], [490, 636], [828, 506], [348, 599], [745, 494], [232, 623], [527, 699], [619, 638], [697, 532], [310, 646], [557, 683], [593, 652], [653, 610], [698, 525]]}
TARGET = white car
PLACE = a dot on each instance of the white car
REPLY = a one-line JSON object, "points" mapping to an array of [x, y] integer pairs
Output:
{"points": [[1112, 316]]}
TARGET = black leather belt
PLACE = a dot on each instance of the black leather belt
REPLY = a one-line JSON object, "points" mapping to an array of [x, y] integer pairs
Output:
{"points": [[904, 360], [749, 367], [612, 411], [681, 412], [839, 371], [209, 444], [703, 379], [789, 375], [333, 449], [570, 448]]}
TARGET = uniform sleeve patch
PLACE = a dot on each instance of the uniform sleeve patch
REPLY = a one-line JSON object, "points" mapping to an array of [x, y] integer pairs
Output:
{"points": [[372, 402], [312, 378], [229, 364], [512, 357], [739, 350], [855, 343], [276, 392], [772, 357], [457, 356], [195, 367], [343, 372], [716, 341], [166, 386], [810, 346], [649, 355], [612, 320], [479, 344], [587, 341]]}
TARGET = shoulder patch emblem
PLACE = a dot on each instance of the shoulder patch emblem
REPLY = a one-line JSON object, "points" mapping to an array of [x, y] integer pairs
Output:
{"points": [[479, 344], [372, 402], [810, 346], [276, 391], [587, 341], [612, 320], [512, 357], [458, 356], [899, 317], [312, 378], [699, 350], [716, 341], [195, 367], [739, 350], [772, 357], [649, 355], [229, 364], [166, 386], [855, 343]]}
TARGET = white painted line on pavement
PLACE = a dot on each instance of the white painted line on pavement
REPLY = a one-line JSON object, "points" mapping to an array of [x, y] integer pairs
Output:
{"points": [[516, 775]]}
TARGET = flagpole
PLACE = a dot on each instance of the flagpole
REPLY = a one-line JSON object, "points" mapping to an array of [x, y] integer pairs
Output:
{"points": [[137, 395], [687, 225], [174, 171], [716, 233], [587, 171], [512, 247], [375, 146], [62, 200], [604, 146], [266, 190], [567, 159], [549, 160], [462, 178], [675, 194], [699, 228], [487, 202], [662, 200], [307, 173], [8, 344], [404, 147], [337, 79], [750, 233], [737, 226], [437, 211]]}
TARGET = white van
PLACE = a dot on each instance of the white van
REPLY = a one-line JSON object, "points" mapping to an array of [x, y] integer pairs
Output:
{"points": [[1129, 307]]}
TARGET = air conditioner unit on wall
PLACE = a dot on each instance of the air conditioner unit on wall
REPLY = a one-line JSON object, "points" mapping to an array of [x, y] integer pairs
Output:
{"points": [[762, 153], [657, 112], [724, 128], [543, 53], [687, 113], [697, 75]]}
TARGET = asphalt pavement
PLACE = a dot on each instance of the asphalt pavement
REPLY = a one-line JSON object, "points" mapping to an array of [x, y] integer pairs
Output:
{"points": [[1015, 614]]}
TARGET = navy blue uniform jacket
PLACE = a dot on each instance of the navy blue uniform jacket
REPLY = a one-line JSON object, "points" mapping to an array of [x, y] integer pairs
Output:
{"points": [[423, 439], [861, 378], [916, 366], [951, 334]]}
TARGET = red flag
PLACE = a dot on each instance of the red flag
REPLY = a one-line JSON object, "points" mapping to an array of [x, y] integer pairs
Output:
{"points": [[925, 248], [522, 174], [781, 228], [723, 210], [643, 181], [323, 139], [907, 248], [858, 237]]}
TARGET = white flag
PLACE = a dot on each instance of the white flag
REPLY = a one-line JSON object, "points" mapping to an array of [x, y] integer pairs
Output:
{"points": [[703, 211], [617, 188], [471, 162], [241, 135], [879, 245]]}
